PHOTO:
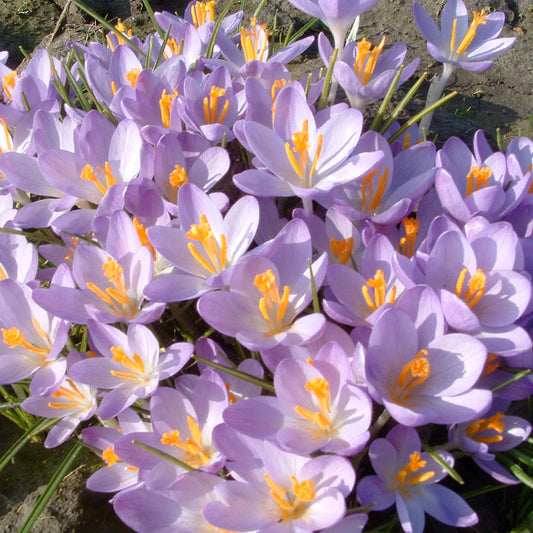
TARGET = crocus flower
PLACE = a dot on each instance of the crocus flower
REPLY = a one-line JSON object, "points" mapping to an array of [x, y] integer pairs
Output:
{"points": [[365, 72], [476, 184], [423, 383], [206, 247], [495, 432], [256, 310], [318, 407], [459, 44], [72, 403], [409, 478], [131, 365], [32, 340], [302, 154], [337, 15], [287, 492]]}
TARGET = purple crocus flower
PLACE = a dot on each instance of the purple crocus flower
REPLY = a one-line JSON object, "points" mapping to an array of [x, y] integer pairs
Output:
{"points": [[318, 407], [389, 192], [206, 247], [475, 276], [459, 43], [365, 72], [182, 427], [303, 154], [32, 340], [256, 310], [72, 403], [337, 15], [110, 282], [131, 365], [422, 382], [409, 478], [495, 432], [476, 184], [287, 492]]}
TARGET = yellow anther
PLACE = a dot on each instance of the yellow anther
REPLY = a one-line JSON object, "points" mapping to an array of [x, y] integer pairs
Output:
{"points": [[491, 364], [174, 47], [276, 87], [487, 430], [300, 147], [405, 476], [132, 76], [112, 270], [273, 307], [109, 456], [73, 394], [342, 249], [216, 254], [407, 243], [477, 178], [202, 12], [178, 177], [143, 236], [211, 106], [303, 490], [250, 40], [8, 83], [121, 30], [379, 285], [7, 136], [366, 59], [14, 338], [196, 454], [370, 200], [134, 364], [165, 105], [475, 287], [479, 19], [414, 373]]}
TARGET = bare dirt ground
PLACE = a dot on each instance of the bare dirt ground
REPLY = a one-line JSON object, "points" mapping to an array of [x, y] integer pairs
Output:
{"points": [[501, 98]]}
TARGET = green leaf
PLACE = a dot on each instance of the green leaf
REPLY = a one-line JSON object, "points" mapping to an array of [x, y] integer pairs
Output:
{"points": [[39, 427], [164, 455], [451, 471], [52, 487]]}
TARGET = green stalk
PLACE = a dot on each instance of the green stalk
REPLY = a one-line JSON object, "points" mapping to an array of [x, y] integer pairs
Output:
{"points": [[420, 115], [386, 101], [164, 455], [216, 29], [451, 471], [303, 30], [511, 380], [405, 100], [236, 373], [37, 428], [108, 25], [52, 487], [161, 54], [316, 303], [259, 8], [327, 80], [150, 12]]}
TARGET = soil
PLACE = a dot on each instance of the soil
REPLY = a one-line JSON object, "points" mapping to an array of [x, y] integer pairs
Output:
{"points": [[500, 99]]}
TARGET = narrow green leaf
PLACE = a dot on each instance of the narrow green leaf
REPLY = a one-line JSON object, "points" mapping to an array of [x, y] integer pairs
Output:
{"points": [[295, 36], [25, 53], [259, 8], [316, 303], [524, 458], [108, 26], [164, 455], [237, 373], [422, 114], [386, 101], [161, 54], [327, 80], [511, 380], [39, 427], [52, 486], [515, 469], [404, 101], [216, 29], [150, 12], [451, 471]]}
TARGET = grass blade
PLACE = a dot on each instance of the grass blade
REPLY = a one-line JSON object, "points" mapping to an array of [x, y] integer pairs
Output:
{"points": [[52, 487]]}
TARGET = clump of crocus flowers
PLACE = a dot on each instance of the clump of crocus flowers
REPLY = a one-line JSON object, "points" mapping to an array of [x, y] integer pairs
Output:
{"points": [[265, 316]]}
